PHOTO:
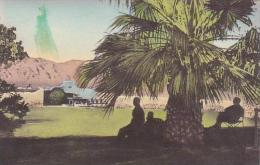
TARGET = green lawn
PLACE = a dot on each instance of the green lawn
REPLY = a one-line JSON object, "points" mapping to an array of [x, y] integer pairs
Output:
{"points": [[64, 140], [69, 121]]}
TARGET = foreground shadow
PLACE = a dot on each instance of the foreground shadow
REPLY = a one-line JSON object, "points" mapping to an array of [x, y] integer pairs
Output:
{"points": [[106, 151]]}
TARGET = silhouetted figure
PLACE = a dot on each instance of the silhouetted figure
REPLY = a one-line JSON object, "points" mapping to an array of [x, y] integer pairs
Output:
{"points": [[154, 127], [231, 114], [135, 128]]}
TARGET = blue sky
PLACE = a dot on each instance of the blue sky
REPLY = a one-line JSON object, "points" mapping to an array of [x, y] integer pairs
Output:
{"points": [[76, 25]]}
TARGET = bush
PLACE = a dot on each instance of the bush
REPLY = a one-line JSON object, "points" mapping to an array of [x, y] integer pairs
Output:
{"points": [[12, 111], [15, 106], [12, 106], [56, 96]]}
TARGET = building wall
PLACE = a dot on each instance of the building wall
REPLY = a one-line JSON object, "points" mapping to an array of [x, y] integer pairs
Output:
{"points": [[33, 98], [146, 102]]}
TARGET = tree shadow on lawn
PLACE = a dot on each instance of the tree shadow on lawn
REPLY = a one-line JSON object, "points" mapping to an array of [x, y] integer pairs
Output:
{"points": [[105, 151]]}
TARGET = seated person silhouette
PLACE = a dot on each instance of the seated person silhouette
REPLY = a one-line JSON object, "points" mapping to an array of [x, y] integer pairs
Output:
{"points": [[135, 128], [231, 114], [154, 127]]}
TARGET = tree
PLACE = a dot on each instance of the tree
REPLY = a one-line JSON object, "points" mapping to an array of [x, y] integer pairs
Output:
{"points": [[5, 87], [10, 50], [14, 105], [246, 52], [56, 96], [169, 43]]}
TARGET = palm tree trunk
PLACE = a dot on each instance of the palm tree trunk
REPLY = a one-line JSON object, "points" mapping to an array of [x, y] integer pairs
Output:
{"points": [[183, 123]]}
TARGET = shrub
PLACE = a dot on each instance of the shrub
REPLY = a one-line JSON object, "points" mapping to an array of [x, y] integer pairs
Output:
{"points": [[56, 96], [14, 105]]}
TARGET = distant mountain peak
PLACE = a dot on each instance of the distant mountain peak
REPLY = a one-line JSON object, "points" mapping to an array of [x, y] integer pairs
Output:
{"points": [[39, 72]]}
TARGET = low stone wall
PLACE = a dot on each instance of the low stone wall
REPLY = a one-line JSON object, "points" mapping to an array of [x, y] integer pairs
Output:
{"points": [[146, 102], [32, 98], [161, 101]]}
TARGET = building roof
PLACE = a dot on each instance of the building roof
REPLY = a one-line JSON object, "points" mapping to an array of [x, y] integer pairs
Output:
{"points": [[71, 87]]}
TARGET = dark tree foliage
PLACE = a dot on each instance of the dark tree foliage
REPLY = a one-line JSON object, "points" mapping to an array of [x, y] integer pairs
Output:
{"points": [[10, 49], [56, 96], [5, 87], [246, 52], [13, 104]]}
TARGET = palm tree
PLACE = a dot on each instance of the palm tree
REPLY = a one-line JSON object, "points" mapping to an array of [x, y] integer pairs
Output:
{"points": [[246, 52], [168, 43]]}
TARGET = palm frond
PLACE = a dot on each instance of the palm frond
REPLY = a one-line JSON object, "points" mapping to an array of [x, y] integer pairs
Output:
{"points": [[246, 48], [229, 12], [165, 43]]}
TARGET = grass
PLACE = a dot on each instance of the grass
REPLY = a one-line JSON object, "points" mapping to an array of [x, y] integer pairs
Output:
{"points": [[68, 121], [63, 136], [48, 122]]}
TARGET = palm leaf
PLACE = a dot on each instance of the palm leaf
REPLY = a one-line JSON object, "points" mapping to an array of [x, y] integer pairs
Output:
{"points": [[165, 43], [246, 48], [229, 12]]}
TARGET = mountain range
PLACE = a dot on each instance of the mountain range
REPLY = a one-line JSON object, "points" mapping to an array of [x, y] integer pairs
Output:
{"points": [[39, 72]]}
